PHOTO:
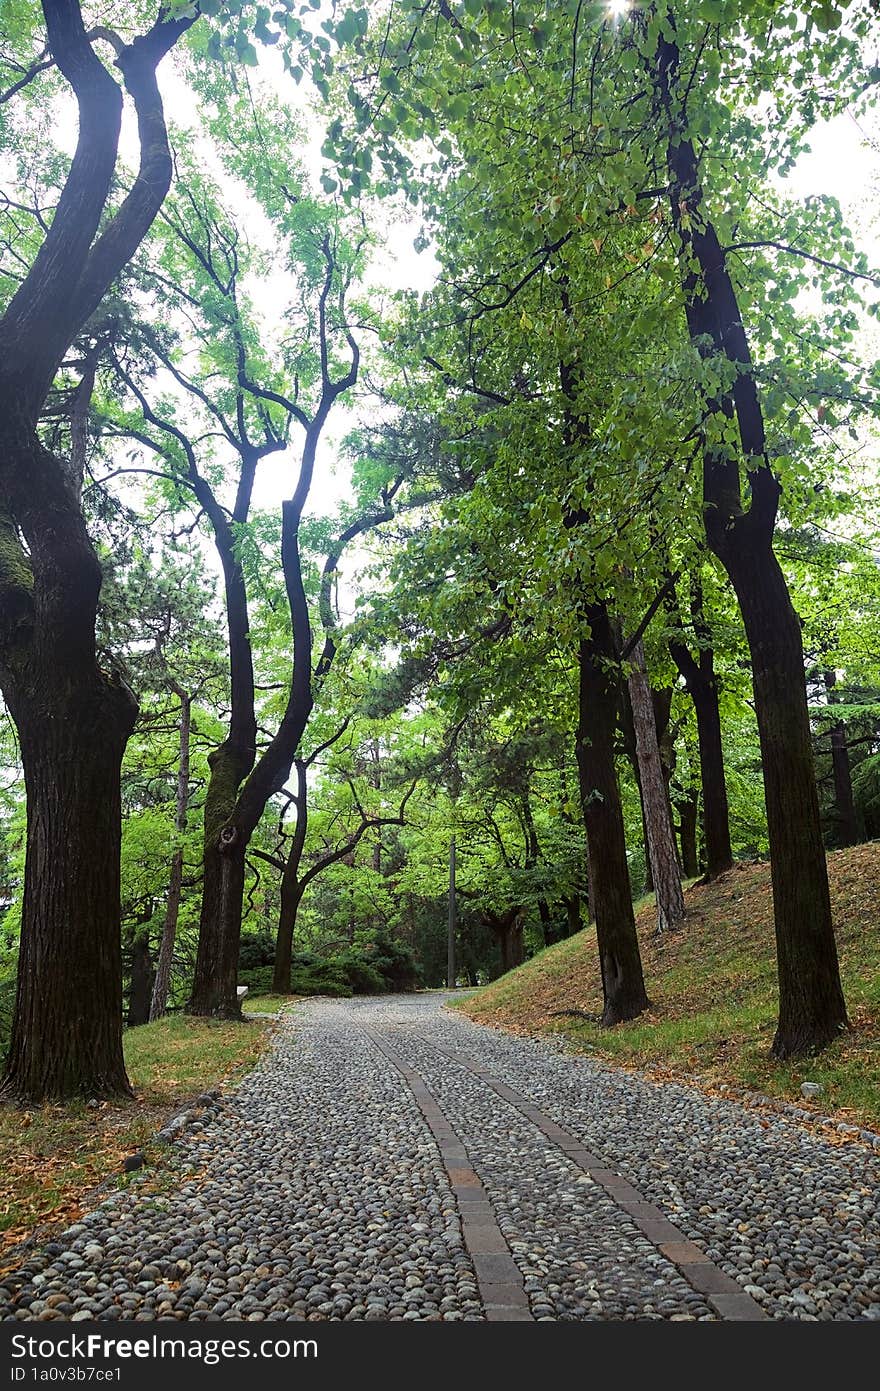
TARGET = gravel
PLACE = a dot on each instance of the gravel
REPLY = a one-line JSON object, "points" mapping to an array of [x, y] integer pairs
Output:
{"points": [[794, 1219], [315, 1192]]}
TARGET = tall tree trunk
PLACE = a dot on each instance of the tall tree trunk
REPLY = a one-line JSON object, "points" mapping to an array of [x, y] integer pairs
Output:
{"points": [[532, 860], [292, 887], [845, 807], [648, 876], [655, 800], [550, 930], [162, 983], [67, 1027], [508, 928], [628, 734], [688, 834], [573, 920], [716, 813], [812, 1011], [610, 899], [702, 687], [512, 945], [662, 702], [216, 975], [141, 981], [291, 897], [73, 719]]}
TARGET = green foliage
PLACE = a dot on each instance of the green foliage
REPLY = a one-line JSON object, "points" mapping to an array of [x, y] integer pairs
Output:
{"points": [[374, 965]]}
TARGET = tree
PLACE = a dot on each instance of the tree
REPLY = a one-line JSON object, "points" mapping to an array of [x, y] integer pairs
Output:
{"points": [[299, 870], [665, 871], [620, 963], [73, 714], [626, 153], [162, 981], [812, 1011]]}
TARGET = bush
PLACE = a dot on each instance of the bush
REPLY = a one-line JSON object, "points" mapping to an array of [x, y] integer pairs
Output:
{"points": [[361, 973], [394, 962], [310, 975], [373, 968], [256, 949], [258, 979]]}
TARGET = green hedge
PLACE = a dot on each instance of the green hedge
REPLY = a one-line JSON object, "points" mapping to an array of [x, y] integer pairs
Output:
{"points": [[372, 969]]}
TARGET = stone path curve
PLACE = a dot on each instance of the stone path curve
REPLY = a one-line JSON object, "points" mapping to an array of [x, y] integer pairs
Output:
{"points": [[389, 1160]]}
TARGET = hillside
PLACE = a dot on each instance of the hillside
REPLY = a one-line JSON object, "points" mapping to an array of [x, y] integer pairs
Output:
{"points": [[712, 986]]}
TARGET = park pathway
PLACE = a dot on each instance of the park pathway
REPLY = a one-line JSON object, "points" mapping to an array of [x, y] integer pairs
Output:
{"points": [[391, 1160]]}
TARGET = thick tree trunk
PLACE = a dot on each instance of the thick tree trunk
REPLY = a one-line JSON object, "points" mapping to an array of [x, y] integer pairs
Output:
{"points": [[847, 821], [688, 835], [716, 813], [551, 929], [610, 900], [648, 876], [67, 1028], [512, 946], [291, 897], [140, 988], [73, 720], [655, 799], [845, 808], [216, 975], [162, 983], [702, 687], [573, 920], [510, 938], [508, 929], [812, 1011], [811, 1005]]}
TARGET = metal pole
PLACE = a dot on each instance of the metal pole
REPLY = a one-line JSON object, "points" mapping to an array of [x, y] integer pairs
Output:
{"points": [[450, 958]]}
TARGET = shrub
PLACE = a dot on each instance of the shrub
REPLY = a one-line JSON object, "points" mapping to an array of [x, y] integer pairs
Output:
{"points": [[361, 973], [394, 962], [256, 949], [371, 968]]}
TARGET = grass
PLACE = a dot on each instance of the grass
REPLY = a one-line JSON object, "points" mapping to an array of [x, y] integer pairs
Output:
{"points": [[264, 1004], [713, 990], [53, 1156]]}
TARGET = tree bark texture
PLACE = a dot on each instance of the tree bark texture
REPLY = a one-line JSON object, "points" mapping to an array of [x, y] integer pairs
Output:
{"points": [[610, 900], [73, 718], [165, 961], [655, 799], [573, 918], [688, 813], [847, 821], [812, 1011], [67, 1027], [292, 889], [140, 987], [291, 897], [702, 687], [214, 991], [508, 929], [811, 1007]]}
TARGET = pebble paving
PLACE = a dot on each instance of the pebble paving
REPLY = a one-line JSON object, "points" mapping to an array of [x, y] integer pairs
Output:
{"points": [[388, 1160]]}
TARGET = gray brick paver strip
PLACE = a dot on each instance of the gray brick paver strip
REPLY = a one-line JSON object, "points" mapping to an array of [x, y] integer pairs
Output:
{"points": [[727, 1297], [498, 1277], [580, 1255]]}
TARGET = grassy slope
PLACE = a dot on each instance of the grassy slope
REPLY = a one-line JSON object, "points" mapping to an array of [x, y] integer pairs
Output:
{"points": [[713, 991], [51, 1157]]}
